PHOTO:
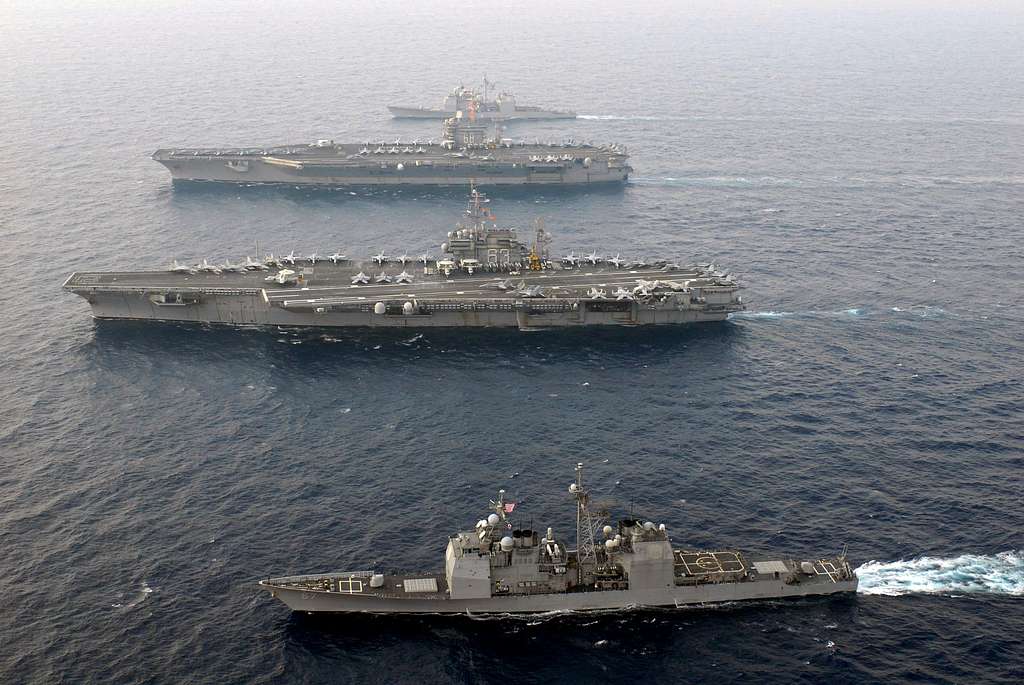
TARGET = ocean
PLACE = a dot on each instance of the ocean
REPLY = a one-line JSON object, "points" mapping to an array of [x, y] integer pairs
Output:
{"points": [[859, 166]]}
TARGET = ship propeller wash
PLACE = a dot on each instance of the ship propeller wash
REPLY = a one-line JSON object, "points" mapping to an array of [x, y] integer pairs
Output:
{"points": [[467, 151], [485, 277], [499, 567]]}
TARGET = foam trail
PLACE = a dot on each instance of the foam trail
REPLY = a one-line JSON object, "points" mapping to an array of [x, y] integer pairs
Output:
{"points": [[1000, 574], [760, 315], [618, 117]]}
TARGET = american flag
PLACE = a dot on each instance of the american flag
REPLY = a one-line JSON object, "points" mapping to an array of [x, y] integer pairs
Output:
{"points": [[509, 507]]}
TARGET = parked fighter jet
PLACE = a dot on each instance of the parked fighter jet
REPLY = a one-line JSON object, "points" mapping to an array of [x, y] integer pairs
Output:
{"points": [[360, 278], [616, 261], [623, 294], [253, 265], [523, 290], [232, 268], [207, 267], [571, 259], [176, 268], [336, 257], [403, 277]]}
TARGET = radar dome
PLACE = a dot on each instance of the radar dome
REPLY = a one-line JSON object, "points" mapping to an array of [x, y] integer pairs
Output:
{"points": [[400, 166], [609, 544], [492, 519], [574, 488], [407, 308], [506, 543], [607, 530], [379, 308], [649, 526]]}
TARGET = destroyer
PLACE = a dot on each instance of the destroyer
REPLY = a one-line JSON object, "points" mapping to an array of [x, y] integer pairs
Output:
{"points": [[485, 277], [499, 568], [503, 107], [468, 150]]}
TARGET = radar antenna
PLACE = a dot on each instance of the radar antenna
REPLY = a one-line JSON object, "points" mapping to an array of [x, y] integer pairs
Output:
{"points": [[500, 507]]}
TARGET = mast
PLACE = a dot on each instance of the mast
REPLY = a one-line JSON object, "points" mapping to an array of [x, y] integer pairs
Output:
{"points": [[584, 524]]}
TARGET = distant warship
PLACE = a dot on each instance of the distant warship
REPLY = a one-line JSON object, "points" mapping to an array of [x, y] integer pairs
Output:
{"points": [[467, 151], [486, 277], [502, 107], [498, 567]]}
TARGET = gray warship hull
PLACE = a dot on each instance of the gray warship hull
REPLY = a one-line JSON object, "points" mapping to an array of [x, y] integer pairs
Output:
{"points": [[518, 114], [306, 593], [498, 568], [420, 164], [261, 171], [328, 299], [487, 278]]}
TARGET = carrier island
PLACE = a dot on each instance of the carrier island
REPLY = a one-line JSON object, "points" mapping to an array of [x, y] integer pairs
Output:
{"points": [[499, 568], [485, 277], [468, 150]]}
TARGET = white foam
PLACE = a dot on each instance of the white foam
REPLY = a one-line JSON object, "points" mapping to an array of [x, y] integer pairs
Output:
{"points": [[618, 117], [1001, 574], [760, 315]]}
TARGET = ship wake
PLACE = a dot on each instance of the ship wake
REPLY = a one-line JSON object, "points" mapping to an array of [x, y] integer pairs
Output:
{"points": [[999, 574]]}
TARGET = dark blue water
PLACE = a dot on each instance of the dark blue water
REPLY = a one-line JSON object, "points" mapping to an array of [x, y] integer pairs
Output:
{"points": [[862, 170]]}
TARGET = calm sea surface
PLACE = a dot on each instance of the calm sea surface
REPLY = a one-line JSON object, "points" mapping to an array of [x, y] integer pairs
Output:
{"points": [[859, 167]]}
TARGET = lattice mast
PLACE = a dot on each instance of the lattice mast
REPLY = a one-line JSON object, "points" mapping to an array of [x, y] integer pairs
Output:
{"points": [[584, 525]]}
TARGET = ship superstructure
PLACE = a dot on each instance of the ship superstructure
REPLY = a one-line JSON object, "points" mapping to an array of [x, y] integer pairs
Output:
{"points": [[501, 107], [485, 276], [500, 567], [470, 149]]}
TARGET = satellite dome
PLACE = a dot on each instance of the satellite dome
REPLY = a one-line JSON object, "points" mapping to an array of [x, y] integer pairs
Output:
{"points": [[506, 543], [649, 526], [574, 488], [492, 519], [607, 530], [379, 308], [609, 544], [407, 308]]}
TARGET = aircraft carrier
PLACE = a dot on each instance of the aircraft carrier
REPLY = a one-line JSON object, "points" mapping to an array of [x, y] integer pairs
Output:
{"points": [[503, 107], [498, 567], [485, 277], [467, 151]]}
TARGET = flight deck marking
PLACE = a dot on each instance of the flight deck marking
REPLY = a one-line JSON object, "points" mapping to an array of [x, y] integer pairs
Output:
{"points": [[832, 574], [707, 563]]}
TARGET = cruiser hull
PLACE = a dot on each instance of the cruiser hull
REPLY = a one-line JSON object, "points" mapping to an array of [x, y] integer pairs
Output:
{"points": [[703, 595], [438, 114]]}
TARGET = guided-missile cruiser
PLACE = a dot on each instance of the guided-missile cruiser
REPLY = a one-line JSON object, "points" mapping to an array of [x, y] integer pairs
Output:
{"points": [[485, 277], [500, 567], [502, 107], [467, 151]]}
